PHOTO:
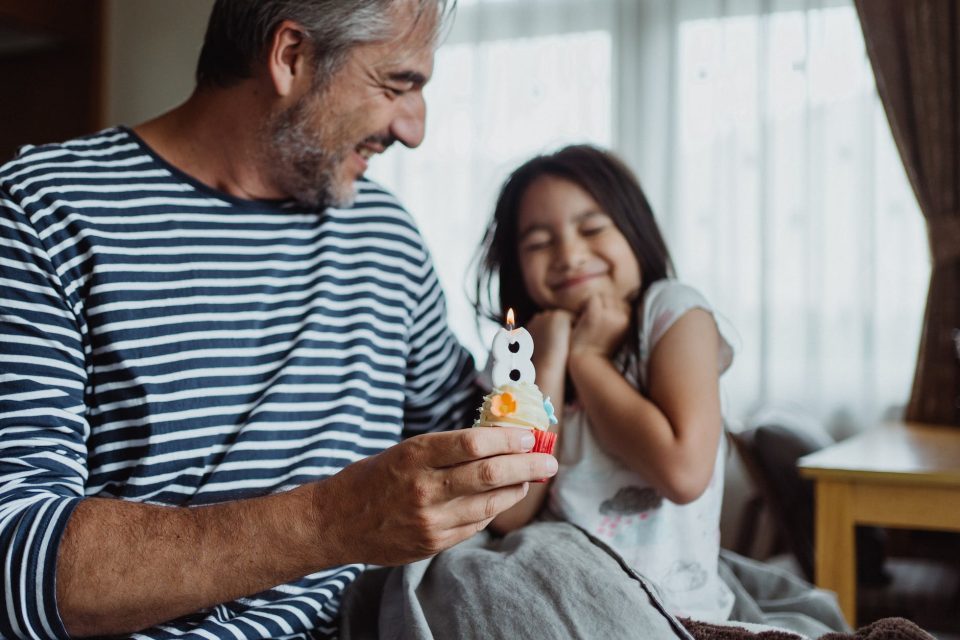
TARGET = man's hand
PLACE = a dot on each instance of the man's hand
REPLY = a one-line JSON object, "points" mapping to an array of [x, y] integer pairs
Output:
{"points": [[153, 563], [428, 493], [600, 328]]}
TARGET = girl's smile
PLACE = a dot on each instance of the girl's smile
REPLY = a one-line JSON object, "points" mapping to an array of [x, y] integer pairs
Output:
{"points": [[570, 249], [575, 280]]}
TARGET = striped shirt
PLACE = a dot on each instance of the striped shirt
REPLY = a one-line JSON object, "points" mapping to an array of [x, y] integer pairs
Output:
{"points": [[163, 342]]}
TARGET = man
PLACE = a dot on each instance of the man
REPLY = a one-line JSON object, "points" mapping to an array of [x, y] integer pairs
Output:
{"points": [[214, 333]]}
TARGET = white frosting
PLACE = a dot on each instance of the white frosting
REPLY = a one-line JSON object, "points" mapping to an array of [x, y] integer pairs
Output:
{"points": [[529, 413]]}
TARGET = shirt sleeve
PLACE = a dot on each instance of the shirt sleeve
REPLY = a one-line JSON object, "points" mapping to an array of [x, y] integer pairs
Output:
{"points": [[43, 428], [441, 388], [666, 302]]}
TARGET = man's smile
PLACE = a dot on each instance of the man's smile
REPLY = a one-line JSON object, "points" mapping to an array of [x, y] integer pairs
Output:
{"points": [[369, 148]]}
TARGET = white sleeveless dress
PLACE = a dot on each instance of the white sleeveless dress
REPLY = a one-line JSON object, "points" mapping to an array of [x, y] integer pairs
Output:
{"points": [[674, 546]]}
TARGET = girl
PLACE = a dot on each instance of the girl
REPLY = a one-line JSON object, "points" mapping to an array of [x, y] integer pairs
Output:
{"points": [[631, 358]]}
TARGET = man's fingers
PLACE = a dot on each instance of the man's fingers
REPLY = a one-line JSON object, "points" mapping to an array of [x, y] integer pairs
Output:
{"points": [[466, 445], [493, 473], [476, 511], [461, 518]]}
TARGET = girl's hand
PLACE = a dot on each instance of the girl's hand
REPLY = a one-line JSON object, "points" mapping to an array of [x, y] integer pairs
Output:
{"points": [[551, 331], [601, 327]]}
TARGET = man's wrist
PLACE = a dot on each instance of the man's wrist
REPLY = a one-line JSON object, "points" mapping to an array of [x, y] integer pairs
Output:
{"points": [[322, 537]]}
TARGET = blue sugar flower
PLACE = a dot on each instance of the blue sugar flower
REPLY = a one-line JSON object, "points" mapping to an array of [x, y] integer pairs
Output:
{"points": [[548, 407]]}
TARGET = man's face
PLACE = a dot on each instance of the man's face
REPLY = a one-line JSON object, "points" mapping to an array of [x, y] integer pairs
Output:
{"points": [[319, 146]]}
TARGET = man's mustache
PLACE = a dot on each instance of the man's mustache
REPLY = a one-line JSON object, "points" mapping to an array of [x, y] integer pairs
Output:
{"points": [[380, 140]]}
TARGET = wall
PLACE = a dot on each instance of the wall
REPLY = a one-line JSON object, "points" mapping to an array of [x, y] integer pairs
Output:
{"points": [[151, 53], [50, 61]]}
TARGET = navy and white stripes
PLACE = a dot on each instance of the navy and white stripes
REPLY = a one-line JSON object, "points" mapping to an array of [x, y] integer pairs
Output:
{"points": [[162, 342]]}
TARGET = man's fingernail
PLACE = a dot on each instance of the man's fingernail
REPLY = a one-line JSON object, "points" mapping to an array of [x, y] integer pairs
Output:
{"points": [[550, 466], [526, 442]]}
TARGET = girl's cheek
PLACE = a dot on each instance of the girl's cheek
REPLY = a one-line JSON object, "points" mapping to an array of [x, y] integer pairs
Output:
{"points": [[529, 285]]}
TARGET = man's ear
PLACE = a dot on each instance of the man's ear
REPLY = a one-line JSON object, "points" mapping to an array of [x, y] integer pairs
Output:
{"points": [[288, 56]]}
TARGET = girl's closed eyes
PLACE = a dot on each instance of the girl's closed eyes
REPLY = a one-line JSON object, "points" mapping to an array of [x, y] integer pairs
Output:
{"points": [[570, 249]]}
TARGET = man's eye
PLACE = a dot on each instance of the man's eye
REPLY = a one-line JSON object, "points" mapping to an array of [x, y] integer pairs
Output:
{"points": [[398, 90]]}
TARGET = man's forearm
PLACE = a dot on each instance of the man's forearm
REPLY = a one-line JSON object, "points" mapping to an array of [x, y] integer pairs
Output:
{"points": [[124, 566]]}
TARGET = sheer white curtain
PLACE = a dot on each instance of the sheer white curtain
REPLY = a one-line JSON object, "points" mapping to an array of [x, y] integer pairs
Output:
{"points": [[755, 129]]}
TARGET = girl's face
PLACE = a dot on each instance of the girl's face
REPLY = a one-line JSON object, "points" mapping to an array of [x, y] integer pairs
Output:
{"points": [[570, 249]]}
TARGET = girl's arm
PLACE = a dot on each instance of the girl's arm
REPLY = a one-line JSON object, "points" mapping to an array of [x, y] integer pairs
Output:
{"points": [[670, 439], [550, 331]]}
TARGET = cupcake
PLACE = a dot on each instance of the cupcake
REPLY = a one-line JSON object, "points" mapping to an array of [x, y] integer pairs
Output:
{"points": [[516, 400], [521, 405]]}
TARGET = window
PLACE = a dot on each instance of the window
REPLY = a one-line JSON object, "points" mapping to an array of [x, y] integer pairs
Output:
{"points": [[756, 131]]}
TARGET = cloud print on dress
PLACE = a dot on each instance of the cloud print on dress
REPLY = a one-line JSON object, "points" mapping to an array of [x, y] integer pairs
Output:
{"points": [[630, 500], [684, 576]]}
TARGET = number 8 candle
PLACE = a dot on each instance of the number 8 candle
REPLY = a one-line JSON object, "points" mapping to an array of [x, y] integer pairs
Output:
{"points": [[512, 350], [516, 401]]}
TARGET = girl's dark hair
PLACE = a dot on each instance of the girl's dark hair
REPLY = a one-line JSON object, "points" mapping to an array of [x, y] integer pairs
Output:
{"points": [[612, 185]]}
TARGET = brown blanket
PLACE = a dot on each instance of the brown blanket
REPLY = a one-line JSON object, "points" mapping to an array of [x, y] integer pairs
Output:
{"points": [[884, 629]]}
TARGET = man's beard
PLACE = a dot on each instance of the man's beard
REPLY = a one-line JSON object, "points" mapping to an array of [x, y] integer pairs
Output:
{"points": [[301, 160]]}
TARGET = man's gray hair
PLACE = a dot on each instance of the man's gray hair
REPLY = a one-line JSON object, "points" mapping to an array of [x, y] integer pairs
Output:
{"points": [[239, 32]]}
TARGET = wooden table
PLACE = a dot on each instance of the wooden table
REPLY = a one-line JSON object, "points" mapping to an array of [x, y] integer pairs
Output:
{"points": [[894, 475]]}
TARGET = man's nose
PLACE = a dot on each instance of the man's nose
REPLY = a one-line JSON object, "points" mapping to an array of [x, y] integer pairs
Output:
{"points": [[409, 124]]}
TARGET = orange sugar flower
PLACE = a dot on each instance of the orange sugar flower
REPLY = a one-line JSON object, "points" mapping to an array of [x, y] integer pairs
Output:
{"points": [[503, 404]]}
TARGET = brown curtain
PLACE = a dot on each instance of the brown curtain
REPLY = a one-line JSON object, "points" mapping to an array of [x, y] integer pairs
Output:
{"points": [[914, 49]]}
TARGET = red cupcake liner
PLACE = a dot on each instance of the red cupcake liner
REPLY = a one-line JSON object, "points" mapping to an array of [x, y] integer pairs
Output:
{"points": [[543, 442]]}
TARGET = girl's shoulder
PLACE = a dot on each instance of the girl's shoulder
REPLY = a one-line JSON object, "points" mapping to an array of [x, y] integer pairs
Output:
{"points": [[668, 294], [665, 302]]}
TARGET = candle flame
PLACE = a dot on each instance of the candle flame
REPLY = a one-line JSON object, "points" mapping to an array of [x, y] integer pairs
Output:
{"points": [[510, 319]]}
